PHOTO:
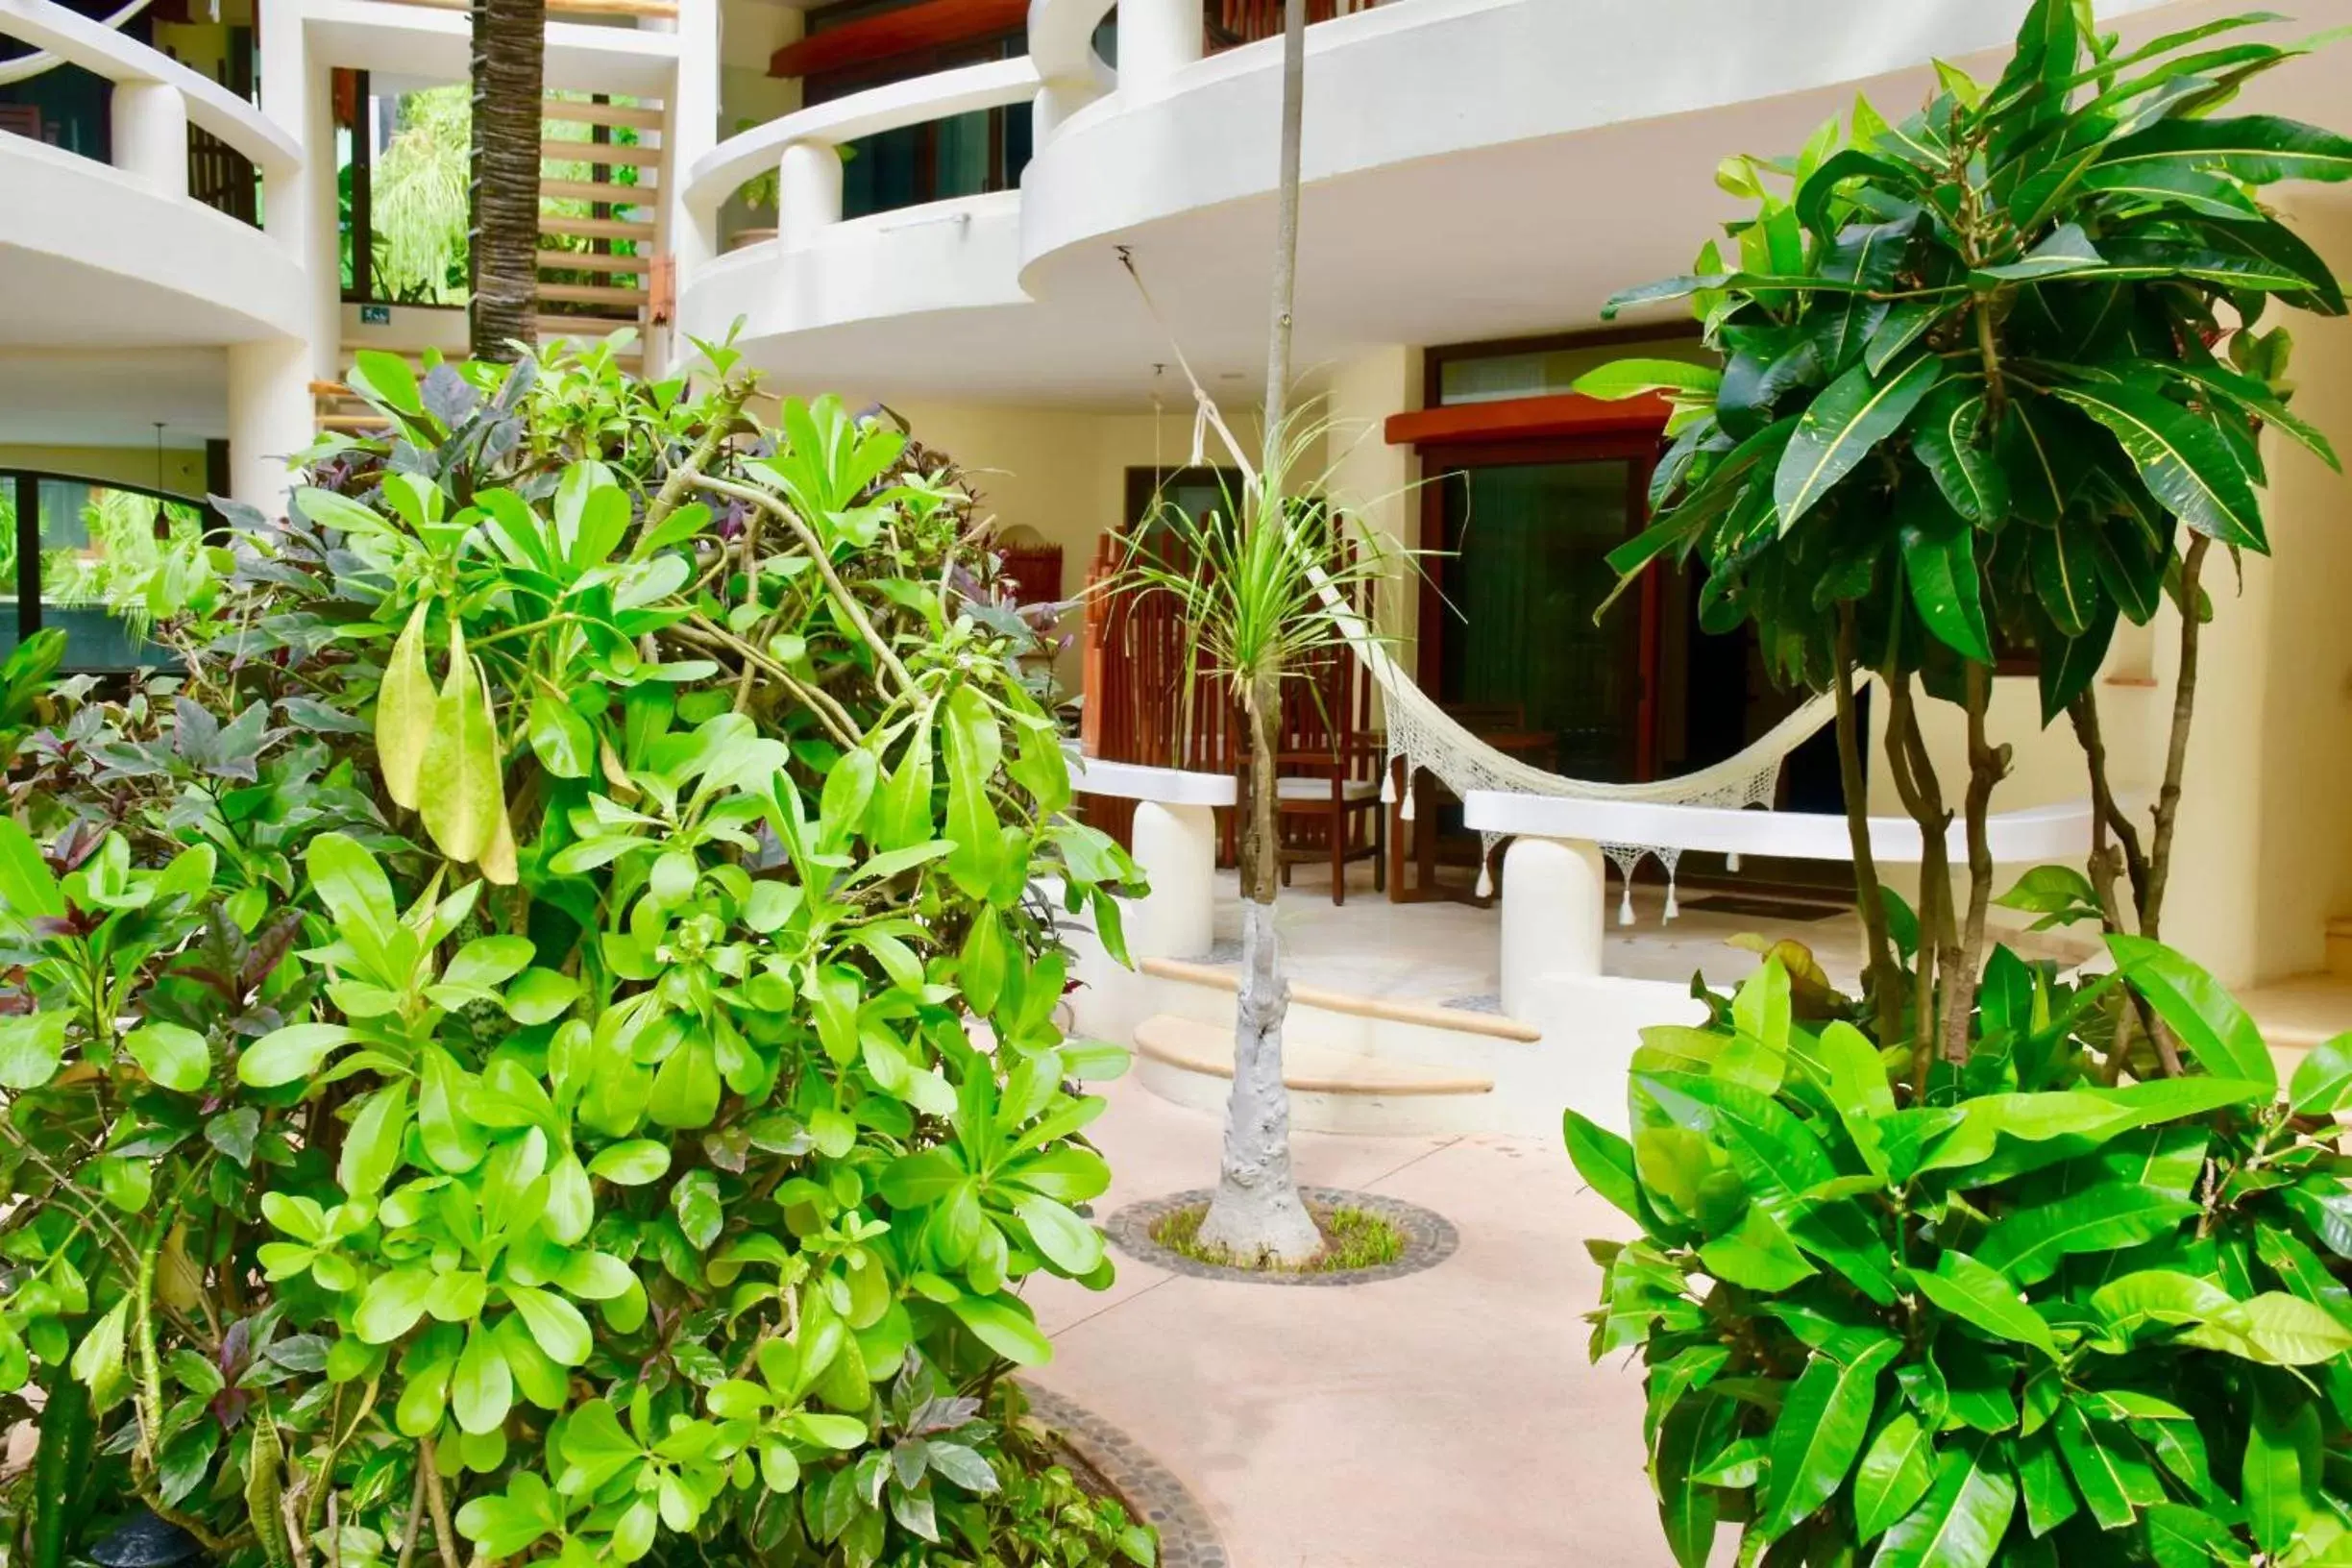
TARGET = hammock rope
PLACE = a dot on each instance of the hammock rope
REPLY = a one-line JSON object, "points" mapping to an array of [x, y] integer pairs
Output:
{"points": [[1423, 737]]}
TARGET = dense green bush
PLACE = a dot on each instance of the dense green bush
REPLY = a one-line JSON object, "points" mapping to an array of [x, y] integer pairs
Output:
{"points": [[539, 1041], [1993, 1262]]}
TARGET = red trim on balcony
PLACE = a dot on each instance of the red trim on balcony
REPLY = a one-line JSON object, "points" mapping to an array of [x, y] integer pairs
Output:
{"points": [[930, 25], [1516, 419]]}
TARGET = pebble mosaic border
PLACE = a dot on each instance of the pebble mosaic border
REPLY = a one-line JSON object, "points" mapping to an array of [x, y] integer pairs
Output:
{"points": [[1430, 1238], [1187, 1538]]}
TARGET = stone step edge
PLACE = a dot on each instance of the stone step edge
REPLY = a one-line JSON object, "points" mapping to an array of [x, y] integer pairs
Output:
{"points": [[1207, 1048], [1494, 1025]]}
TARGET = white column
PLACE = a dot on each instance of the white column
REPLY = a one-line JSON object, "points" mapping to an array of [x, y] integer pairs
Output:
{"points": [[299, 206], [808, 193], [688, 232], [150, 124], [271, 417], [1176, 846], [1554, 899], [1156, 40]]}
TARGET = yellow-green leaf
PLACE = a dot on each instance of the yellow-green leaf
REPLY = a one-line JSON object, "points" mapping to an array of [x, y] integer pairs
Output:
{"points": [[405, 710], [459, 793]]}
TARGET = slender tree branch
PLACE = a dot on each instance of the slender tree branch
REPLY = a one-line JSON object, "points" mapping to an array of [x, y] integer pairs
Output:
{"points": [[1915, 782], [444, 1537], [1988, 766], [1884, 972], [2177, 751], [680, 481], [842, 598]]}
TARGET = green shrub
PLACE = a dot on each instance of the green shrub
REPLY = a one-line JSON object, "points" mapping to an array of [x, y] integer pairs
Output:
{"points": [[547, 1025], [1993, 1263]]}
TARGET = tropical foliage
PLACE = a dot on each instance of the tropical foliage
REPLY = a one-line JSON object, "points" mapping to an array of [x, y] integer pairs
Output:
{"points": [[1993, 1263], [541, 1043]]}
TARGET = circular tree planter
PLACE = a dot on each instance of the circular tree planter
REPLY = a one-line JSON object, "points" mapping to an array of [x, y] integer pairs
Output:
{"points": [[1430, 1238], [1151, 1492]]}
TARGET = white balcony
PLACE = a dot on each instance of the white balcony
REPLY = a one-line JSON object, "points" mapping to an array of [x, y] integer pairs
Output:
{"points": [[1474, 169], [99, 255]]}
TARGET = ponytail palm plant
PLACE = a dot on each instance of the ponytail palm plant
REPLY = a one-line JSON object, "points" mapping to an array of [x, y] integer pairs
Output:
{"points": [[1267, 586]]}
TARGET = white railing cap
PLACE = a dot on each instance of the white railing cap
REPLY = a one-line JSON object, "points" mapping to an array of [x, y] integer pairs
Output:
{"points": [[916, 101], [1134, 781], [2038, 833], [104, 52]]}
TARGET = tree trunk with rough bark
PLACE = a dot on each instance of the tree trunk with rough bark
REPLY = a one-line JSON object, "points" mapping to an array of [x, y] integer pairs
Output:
{"points": [[1257, 1213], [509, 50]]}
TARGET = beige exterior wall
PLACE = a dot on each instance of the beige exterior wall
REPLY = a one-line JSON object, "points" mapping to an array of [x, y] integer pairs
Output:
{"points": [[183, 469]]}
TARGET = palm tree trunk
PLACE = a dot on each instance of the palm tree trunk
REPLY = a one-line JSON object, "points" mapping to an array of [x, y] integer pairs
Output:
{"points": [[510, 49], [1257, 1213]]}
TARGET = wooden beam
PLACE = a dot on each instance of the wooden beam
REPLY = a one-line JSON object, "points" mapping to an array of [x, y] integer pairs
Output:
{"points": [[1513, 419], [926, 25]]}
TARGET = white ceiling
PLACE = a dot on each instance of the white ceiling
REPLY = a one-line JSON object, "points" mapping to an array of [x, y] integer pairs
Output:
{"points": [[82, 398]]}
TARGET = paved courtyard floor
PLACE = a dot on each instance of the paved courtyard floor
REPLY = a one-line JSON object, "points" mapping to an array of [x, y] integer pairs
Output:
{"points": [[1449, 1417]]}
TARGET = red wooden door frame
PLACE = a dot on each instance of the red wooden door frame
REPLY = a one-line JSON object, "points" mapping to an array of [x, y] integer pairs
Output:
{"points": [[1638, 450]]}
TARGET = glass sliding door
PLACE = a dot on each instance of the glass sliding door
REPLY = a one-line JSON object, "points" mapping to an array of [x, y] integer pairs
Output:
{"points": [[1526, 534]]}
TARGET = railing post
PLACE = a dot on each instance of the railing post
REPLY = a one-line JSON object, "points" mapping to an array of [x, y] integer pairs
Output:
{"points": [[808, 193], [687, 230], [151, 135], [1156, 40]]}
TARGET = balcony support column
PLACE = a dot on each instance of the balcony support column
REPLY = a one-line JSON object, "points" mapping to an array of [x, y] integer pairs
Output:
{"points": [[808, 193], [151, 135], [1156, 40], [270, 418]]}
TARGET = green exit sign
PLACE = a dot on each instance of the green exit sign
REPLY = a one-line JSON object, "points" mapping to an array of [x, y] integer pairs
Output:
{"points": [[374, 315]]}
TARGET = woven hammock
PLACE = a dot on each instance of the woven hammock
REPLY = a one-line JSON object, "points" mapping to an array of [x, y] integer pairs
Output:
{"points": [[1424, 736]]}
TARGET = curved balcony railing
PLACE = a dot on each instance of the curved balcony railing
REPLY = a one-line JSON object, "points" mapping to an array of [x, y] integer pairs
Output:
{"points": [[156, 100]]}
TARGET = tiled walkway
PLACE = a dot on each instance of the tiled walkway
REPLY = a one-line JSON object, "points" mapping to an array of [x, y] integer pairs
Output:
{"points": [[1448, 1418]]}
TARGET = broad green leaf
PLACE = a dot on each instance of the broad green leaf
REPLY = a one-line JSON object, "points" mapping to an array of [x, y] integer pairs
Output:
{"points": [[553, 1322], [541, 995], [2218, 1032], [2066, 250], [352, 887], [405, 705], [2322, 1082], [1820, 1433], [1946, 439], [1068, 1243], [372, 1147], [2029, 1244], [2258, 149], [1621, 379], [1605, 1162], [27, 889], [2113, 1475], [1006, 1326], [2183, 461], [1838, 430], [287, 1054], [634, 1164], [1689, 1433], [2161, 1296], [392, 1304], [482, 1390], [1893, 1475], [2180, 1536], [2292, 1331], [2048, 1496], [1939, 556], [2280, 1475], [561, 739], [1985, 1298], [1757, 1254], [1960, 1523], [32, 1045]]}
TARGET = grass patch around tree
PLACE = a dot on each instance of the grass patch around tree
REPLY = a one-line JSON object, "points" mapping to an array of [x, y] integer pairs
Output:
{"points": [[1353, 1238]]}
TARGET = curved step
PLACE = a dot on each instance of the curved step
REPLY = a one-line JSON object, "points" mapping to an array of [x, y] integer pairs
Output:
{"points": [[1462, 1020], [1191, 1062]]}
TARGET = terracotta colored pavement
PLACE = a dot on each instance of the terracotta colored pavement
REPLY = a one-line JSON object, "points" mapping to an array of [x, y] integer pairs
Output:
{"points": [[1449, 1417]]}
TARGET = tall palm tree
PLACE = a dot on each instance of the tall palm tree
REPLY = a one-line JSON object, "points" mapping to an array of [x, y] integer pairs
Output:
{"points": [[510, 85]]}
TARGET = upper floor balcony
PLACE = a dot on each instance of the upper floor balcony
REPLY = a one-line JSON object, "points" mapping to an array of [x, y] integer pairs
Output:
{"points": [[146, 203], [1473, 169]]}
